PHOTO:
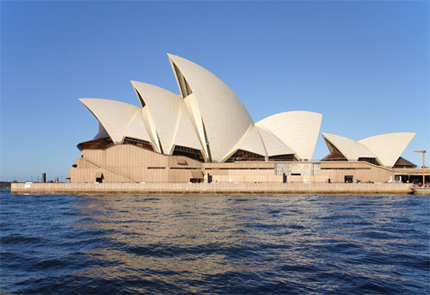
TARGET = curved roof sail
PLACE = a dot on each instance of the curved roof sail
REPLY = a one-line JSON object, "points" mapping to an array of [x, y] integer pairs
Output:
{"points": [[385, 148], [136, 127], [116, 117], [346, 146], [208, 121], [273, 145], [185, 134], [298, 130], [163, 107], [388, 147], [224, 117], [254, 143], [102, 132]]}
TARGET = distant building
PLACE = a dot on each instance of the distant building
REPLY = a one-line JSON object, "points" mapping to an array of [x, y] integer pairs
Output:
{"points": [[206, 134]]}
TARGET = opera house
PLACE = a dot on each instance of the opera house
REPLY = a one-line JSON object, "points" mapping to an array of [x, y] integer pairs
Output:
{"points": [[205, 134]]}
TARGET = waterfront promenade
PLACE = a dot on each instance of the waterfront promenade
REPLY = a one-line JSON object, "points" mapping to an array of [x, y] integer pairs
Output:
{"points": [[211, 188]]}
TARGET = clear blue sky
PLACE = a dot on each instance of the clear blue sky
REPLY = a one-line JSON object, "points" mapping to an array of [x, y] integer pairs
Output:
{"points": [[363, 64]]}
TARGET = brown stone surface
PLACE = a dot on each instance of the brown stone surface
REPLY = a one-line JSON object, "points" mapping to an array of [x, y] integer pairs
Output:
{"points": [[211, 188]]}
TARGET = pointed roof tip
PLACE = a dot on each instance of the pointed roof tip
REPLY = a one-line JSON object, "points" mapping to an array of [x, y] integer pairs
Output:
{"points": [[391, 133], [288, 113], [325, 133], [173, 57], [134, 82], [83, 100], [90, 98]]}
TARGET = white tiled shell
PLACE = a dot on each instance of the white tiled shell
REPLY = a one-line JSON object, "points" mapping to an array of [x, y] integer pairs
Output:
{"points": [[224, 117], [252, 143], [102, 132], [197, 121], [364, 152], [172, 123], [163, 106], [186, 134], [117, 118], [136, 127], [273, 145], [348, 147], [388, 147], [298, 130]]}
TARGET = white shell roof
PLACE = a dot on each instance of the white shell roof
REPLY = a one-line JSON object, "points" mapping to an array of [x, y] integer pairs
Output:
{"points": [[186, 134], [163, 106], [388, 147], [273, 145], [298, 130], [117, 117], [210, 114], [252, 143], [102, 132], [224, 117], [364, 152], [348, 147], [136, 128]]}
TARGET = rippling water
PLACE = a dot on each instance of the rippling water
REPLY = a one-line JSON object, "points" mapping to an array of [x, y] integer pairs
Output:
{"points": [[259, 244]]}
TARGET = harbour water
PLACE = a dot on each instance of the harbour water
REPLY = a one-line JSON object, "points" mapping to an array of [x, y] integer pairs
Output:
{"points": [[220, 244]]}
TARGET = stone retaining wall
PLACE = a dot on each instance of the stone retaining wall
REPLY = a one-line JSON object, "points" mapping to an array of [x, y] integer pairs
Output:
{"points": [[211, 188]]}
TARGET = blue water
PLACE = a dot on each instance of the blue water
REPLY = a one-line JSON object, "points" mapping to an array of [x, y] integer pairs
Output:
{"points": [[224, 244]]}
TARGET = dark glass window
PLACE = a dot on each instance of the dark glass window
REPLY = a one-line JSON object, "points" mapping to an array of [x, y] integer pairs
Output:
{"points": [[139, 143], [188, 152], [369, 160], [241, 155], [403, 163], [335, 154], [282, 158], [96, 144]]}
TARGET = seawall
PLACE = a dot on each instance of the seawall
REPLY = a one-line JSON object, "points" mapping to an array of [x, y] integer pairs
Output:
{"points": [[211, 188]]}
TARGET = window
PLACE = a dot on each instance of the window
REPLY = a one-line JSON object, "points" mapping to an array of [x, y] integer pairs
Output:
{"points": [[335, 154], [188, 152], [241, 155], [282, 158], [349, 178], [369, 160], [139, 143], [96, 144]]}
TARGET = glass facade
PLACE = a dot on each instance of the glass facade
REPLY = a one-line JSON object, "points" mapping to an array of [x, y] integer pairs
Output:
{"points": [[96, 144], [369, 160], [139, 143], [188, 152], [242, 155], [283, 158], [335, 154]]}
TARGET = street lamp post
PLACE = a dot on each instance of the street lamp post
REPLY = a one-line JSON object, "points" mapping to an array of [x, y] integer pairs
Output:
{"points": [[424, 165]]}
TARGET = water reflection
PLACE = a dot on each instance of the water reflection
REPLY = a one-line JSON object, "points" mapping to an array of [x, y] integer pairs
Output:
{"points": [[201, 243]]}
